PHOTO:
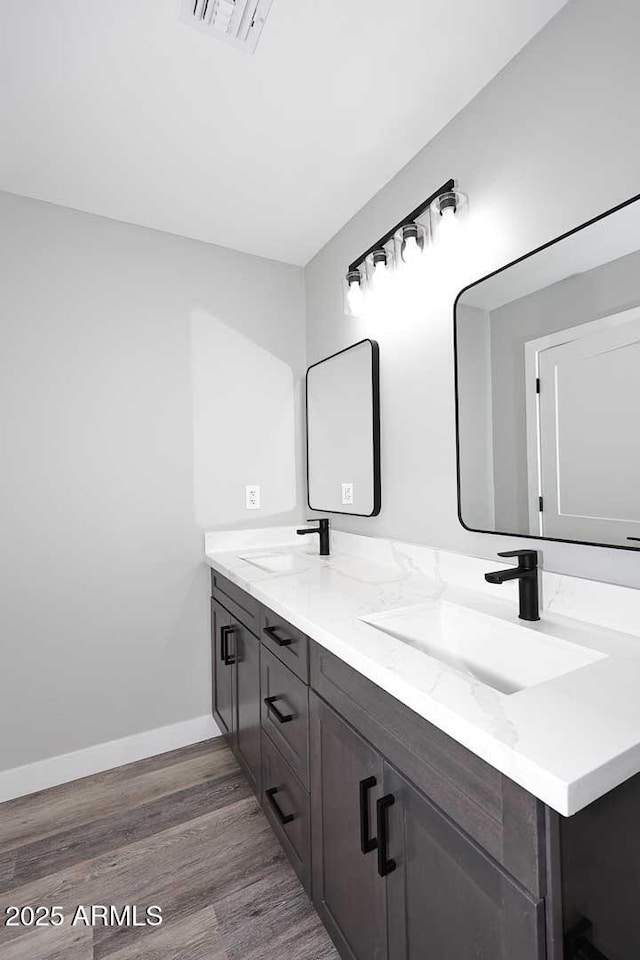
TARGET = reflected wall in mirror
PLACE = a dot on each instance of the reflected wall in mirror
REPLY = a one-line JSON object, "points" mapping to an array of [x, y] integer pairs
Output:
{"points": [[548, 389], [343, 432]]}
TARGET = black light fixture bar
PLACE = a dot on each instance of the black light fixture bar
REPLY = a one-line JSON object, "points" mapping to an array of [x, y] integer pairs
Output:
{"points": [[410, 217]]}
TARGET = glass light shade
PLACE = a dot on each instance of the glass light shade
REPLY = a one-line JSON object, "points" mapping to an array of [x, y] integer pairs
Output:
{"points": [[354, 293], [379, 265], [410, 242], [446, 211]]}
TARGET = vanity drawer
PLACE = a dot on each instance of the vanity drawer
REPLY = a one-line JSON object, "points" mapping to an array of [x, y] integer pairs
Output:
{"points": [[286, 805], [285, 713], [240, 604], [287, 643]]}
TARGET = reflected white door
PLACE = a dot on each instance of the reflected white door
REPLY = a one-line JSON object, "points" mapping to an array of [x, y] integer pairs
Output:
{"points": [[590, 437]]}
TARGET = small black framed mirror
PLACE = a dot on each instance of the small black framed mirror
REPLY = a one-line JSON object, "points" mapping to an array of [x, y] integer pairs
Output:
{"points": [[547, 377], [343, 432]]}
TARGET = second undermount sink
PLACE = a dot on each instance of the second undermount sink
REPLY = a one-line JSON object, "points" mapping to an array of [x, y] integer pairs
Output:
{"points": [[280, 562], [498, 653]]}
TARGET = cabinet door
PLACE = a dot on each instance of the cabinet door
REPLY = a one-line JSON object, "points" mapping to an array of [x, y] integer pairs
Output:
{"points": [[246, 649], [346, 780], [446, 898], [222, 666]]}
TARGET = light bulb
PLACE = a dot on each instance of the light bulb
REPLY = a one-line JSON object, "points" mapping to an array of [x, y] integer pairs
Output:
{"points": [[448, 226], [411, 251], [380, 276], [355, 298]]}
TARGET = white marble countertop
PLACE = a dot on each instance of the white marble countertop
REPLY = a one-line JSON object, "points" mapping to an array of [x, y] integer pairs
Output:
{"points": [[567, 740]]}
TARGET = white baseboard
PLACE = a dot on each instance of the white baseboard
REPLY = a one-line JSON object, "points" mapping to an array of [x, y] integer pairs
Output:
{"points": [[20, 781]]}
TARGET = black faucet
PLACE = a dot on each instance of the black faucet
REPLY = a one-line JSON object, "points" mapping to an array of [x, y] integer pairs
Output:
{"points": [[527, 573], [323, 530]]}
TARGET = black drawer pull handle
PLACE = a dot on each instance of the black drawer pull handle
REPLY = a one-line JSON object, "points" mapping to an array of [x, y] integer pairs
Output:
{"points": [[284, 818], [281, 641], [367, 843], [385, 864], [271, 707], [227, 658], [576, 945]]}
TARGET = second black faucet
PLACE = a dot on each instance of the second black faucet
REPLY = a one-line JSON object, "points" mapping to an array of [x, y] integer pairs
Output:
{"points": [[527, 574], [323, 530]]}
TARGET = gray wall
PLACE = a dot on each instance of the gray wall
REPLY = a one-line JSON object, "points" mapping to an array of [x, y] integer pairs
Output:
{"points": [[547, 145], [605, 290], [107, 332]]}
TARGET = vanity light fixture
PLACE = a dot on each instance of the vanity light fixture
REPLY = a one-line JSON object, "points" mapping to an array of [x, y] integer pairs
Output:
{"points": [[410, 239]]}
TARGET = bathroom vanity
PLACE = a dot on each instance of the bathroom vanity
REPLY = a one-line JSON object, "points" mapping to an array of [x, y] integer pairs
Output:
{"points": [[411, 843]]}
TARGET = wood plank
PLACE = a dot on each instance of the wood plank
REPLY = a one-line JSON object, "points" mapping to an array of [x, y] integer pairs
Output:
{"points": [[187, 835], [220, 861], [51, 943], [71, 804], [216, 852], [7, 868], [194, 938], [87, 841], [271, 920]]}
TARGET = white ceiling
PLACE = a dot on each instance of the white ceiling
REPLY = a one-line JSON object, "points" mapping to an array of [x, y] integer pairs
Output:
{"points": [[114, 107]]}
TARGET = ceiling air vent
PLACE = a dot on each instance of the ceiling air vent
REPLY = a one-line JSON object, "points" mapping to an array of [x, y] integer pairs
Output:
{"points": [[239, 22]]}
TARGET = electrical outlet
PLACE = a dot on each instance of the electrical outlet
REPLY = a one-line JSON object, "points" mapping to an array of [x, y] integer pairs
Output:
{"points": [[347, 493], [252, 496]]}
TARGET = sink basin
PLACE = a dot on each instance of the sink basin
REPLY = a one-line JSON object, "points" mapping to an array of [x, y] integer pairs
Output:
{"points": [[498, 653], [279, 562]]}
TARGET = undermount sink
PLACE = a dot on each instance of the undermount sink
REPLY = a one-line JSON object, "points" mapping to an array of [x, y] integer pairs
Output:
{"points": [[498, 653], [279, 562]]}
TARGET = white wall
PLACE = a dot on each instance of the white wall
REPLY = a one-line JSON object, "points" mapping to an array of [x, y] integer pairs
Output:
{"points": [[112, 341], [548, 144]]}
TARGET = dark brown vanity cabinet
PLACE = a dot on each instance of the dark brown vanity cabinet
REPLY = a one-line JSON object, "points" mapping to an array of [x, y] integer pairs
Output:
{"points": [[235, 657], [247, 705], [445, 896], [393, 877], [411, 846], [222, 669], [346, 781]]}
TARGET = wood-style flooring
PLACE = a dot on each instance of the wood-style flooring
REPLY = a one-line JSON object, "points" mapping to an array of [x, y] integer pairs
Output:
{"points": [[181, 830]]}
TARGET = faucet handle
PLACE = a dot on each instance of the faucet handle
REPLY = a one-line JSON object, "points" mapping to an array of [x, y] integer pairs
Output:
{"points": [[527, 559]]}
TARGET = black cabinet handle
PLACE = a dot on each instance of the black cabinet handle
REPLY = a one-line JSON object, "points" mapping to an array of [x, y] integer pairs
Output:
{"points": [[227, 658], [284, 818], [385, 864], [576, 945], [281, 641], [367, 843], [271, 707]]}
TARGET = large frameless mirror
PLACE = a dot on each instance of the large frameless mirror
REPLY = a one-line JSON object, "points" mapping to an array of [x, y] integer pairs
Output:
{"points": [[343, 432], [548, 389]]}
